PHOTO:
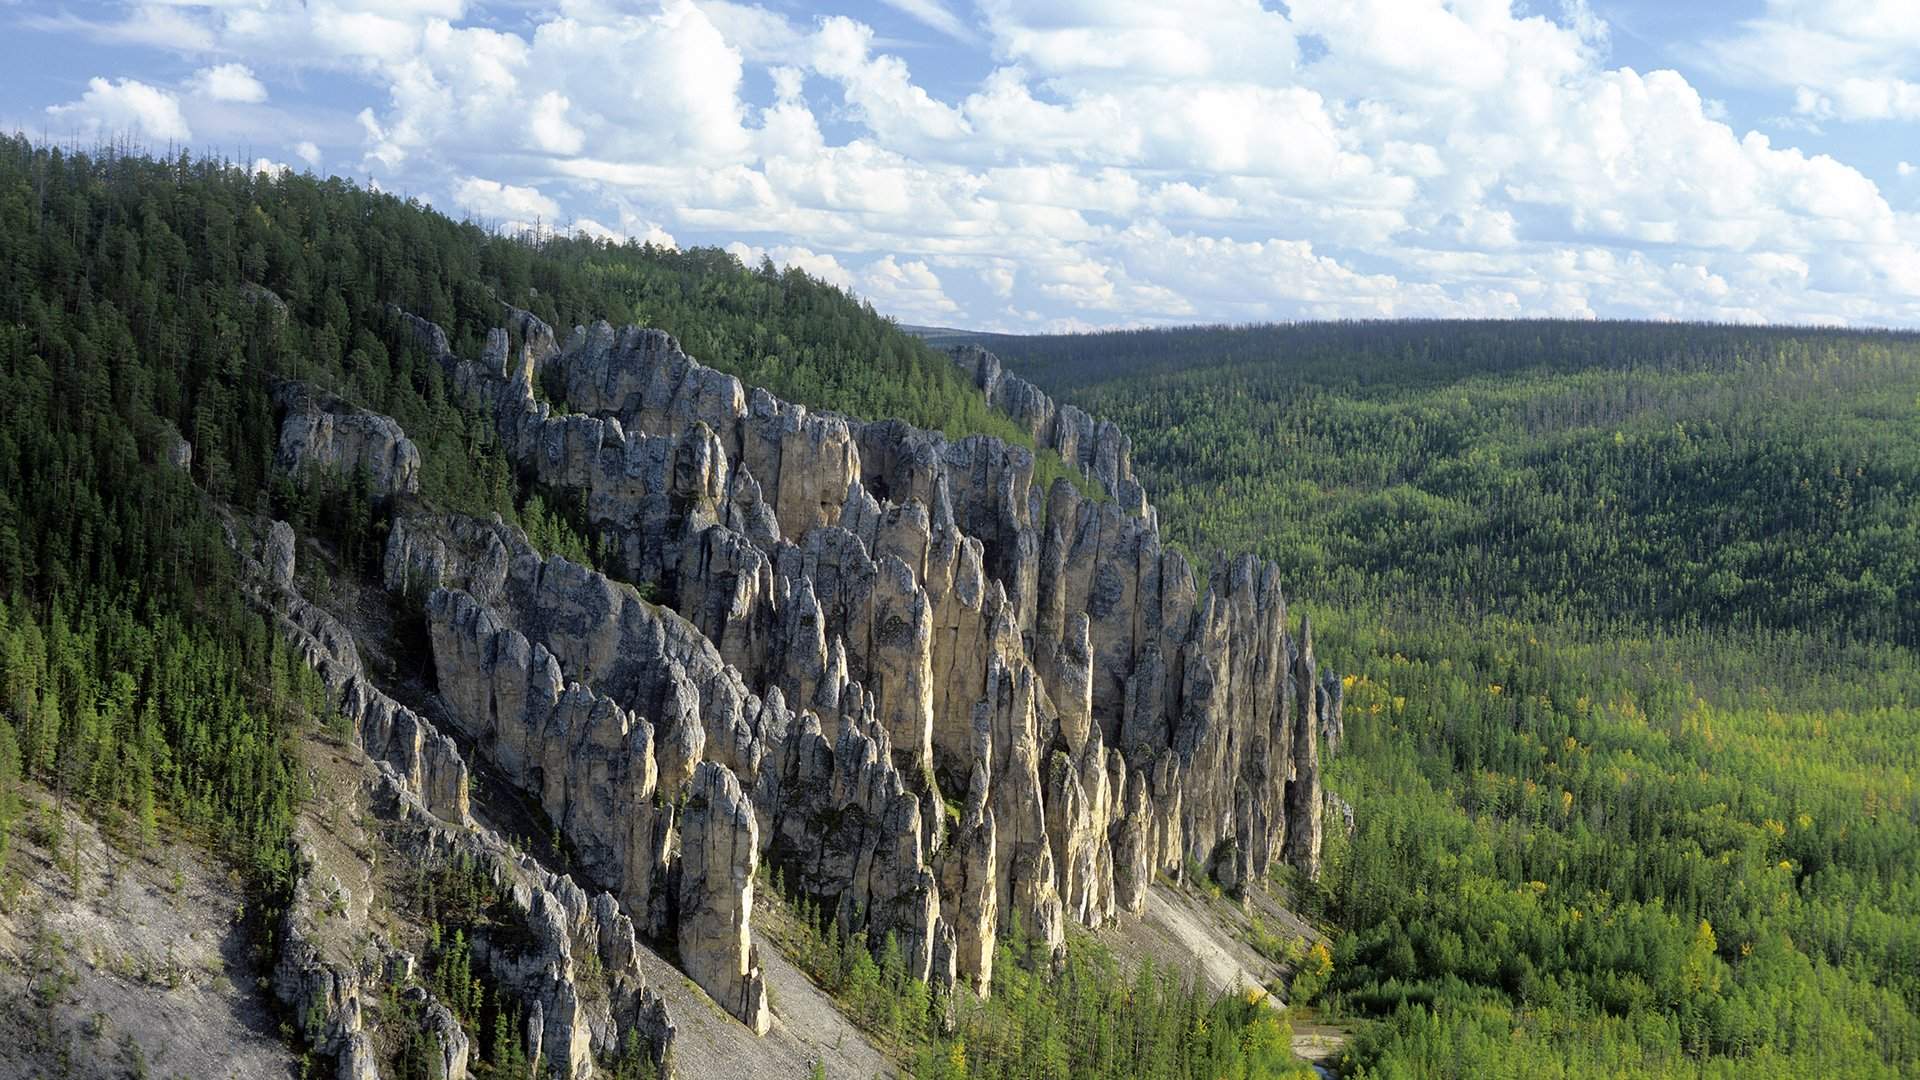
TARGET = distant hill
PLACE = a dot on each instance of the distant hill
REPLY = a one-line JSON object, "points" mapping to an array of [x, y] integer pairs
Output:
{"points": [[1668, 473], [942, 336]]}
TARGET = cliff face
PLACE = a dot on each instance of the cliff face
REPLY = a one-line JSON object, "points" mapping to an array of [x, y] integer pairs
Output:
{"points": [[425, 761], [320, 431], [933, 695], [421, 788]]}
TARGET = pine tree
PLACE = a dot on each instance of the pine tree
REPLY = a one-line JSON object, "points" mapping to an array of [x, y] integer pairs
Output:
{"points": [[9, 782]]}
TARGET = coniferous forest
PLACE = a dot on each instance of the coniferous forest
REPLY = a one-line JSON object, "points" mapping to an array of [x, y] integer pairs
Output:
{"points": [[1631, 717], [959, 540]]}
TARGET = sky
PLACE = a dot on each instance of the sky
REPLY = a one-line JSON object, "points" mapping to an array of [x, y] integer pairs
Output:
{"points": [[1070, 164]]}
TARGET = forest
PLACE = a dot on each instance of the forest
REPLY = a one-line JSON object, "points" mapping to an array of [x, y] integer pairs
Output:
{"points": [[1625, 612], [1751, 478]]}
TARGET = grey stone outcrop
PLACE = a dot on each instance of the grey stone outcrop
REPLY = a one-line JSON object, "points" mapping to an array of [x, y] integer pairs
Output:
{"points": [[945, 697], [318, 430]]}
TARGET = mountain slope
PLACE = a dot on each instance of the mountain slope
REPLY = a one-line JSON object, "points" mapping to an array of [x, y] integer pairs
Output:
{"points": [[497, 660]]}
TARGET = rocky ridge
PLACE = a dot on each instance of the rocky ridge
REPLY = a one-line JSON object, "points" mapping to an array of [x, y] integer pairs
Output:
{"points": [[945, 697], [327, 980]]}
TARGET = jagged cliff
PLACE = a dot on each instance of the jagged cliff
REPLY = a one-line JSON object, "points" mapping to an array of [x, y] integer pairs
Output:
{"points": [[328, 972], [935, 696]]}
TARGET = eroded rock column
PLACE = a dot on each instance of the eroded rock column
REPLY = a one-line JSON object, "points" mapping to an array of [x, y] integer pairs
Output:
{"points": [[720, 850]]}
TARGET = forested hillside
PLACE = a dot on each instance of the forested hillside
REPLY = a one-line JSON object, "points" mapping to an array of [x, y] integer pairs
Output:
{"points": [[1631, 724], [142, 300], [148, 311], [1672, 475]]}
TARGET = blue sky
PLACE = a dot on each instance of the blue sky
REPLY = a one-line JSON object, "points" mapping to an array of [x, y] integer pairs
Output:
{"points": [[1079, 163]]}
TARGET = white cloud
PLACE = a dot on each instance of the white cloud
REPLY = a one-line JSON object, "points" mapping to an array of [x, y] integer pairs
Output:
{"points": [[1000, 278], [493, 199], [275, 169], [586, 75], [909, 289], [880, 89], [229, 82], [645, 232], [591, 228], [550, 127], [821, 265], [151, 25], [123, 107], [934, 14], [1113, 43], [1848, 60], [1123, 161], [379, 147], [657, 236], [761, 36], [675, 99]]}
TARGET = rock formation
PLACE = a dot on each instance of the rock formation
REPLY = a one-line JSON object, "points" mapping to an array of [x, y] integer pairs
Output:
{"points": [[1341, 811], [318, 430], [720, 850], [935, 696], [553, 923], [424, 759], [320, 985], [174, 449], [330, 990], [1098, 448], [423, 785], [1304, 804], [1333, 700], [619, 761]]}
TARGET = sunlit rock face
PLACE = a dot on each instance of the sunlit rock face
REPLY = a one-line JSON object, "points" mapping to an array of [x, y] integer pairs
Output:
{"points": [[935, 697], [420, 784]]}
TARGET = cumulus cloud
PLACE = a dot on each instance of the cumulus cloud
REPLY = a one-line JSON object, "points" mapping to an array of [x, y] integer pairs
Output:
{"points": [[655, 235], [909, 288], [1848, 61], [821, 265], [508, 202], [229, 82], [643, 232], [125, 107], [880, 89], [1123, 161], [550, 127]]}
